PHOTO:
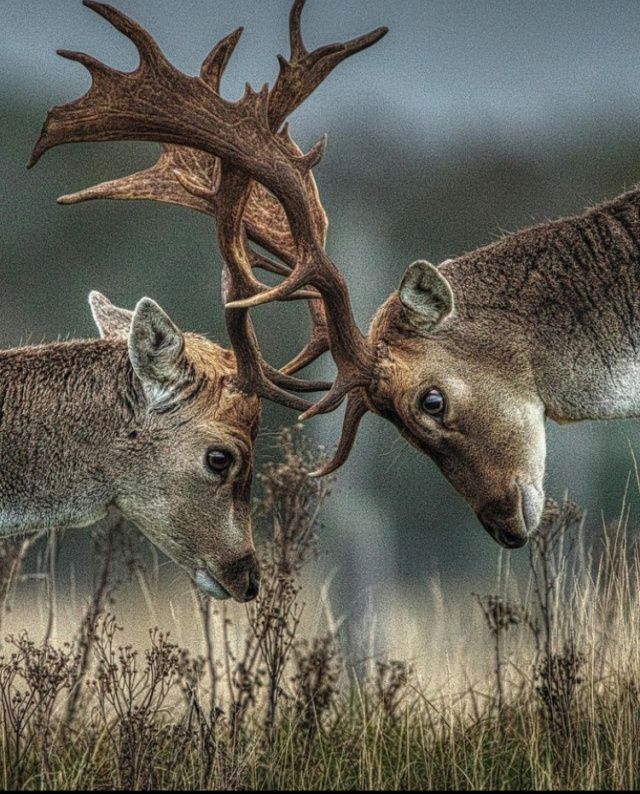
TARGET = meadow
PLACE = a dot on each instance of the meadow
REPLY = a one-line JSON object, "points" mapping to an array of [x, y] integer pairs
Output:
{"points": [[546, 694]]}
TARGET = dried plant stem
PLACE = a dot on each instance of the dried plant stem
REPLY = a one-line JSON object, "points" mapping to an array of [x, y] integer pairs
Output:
{"points": [[93, 613], [50, 634], [204, 609]]}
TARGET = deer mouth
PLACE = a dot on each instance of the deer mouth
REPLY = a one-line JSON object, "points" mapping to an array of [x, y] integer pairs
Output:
{"points": [[505, 536], [211, 586]]}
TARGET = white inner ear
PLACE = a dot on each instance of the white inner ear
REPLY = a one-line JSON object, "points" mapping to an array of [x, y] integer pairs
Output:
{"points": [[156, 350], [426, 295], [112, 322]]}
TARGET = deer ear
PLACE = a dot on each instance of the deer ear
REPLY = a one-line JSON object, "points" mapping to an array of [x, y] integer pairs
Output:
{"points": [[426, 296], [156, 350], [112, 322]]}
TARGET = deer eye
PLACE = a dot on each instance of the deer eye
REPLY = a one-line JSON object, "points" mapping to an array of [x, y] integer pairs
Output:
{"points": [[433, 403], [219, 461]]}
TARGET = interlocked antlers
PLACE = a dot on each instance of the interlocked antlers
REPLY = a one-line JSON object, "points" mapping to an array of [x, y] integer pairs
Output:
{"points": [[232, 161]]}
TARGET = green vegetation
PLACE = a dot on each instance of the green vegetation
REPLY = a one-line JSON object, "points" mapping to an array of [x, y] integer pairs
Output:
{"points": [[282, 710]]}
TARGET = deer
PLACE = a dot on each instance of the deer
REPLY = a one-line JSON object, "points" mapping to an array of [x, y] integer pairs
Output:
{"points": [[144, 422], [468, 359]]}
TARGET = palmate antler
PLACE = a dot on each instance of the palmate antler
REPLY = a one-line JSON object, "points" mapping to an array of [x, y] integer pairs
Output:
{"points": [[213, 150], [191, 178]]}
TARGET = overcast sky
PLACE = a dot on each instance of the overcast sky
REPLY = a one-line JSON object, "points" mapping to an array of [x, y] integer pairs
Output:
{"points": [[447, 66]]}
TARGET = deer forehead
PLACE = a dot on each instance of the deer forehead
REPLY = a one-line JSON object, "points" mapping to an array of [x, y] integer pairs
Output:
{"points": [[423, 363], [220, 402], [209, 357]]}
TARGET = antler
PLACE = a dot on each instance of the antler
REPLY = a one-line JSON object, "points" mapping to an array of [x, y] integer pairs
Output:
{"points": [[191, 178], [181, 111]]}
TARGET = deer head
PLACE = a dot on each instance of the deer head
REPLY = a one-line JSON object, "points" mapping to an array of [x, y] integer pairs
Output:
{"points": [[237, 163], [182, 470], [464, 394], [145, 421]]}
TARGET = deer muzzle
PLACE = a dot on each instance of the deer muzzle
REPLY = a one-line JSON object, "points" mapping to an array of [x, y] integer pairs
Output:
{"points": [[512, 521], [239, 580]]}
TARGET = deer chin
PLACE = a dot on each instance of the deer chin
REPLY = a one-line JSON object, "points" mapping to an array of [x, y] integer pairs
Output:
{"points": [[211, 586]]}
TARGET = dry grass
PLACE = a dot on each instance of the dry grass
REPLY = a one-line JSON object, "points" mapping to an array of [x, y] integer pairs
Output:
{"points": [[267, 705]]}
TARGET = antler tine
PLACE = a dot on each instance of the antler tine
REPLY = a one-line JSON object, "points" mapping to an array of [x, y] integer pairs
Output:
{"points": [[215, 64], [298, 49], [318, 343], [149, 51], [357, 409], [161, 183], [303, 73]]}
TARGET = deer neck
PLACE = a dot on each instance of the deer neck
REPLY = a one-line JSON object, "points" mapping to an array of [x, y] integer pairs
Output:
{"points": [[565, 296], [63, 408]]}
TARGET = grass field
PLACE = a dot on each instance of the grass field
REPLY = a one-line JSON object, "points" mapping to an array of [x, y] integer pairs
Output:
{"points": [[549, 700]]}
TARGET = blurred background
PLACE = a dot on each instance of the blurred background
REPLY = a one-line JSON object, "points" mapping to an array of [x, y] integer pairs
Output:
{"points": [[468, 120]]}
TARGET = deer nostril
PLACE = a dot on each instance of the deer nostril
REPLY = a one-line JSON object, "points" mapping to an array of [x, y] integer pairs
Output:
{"points": [[510, 540], [254, 588]]}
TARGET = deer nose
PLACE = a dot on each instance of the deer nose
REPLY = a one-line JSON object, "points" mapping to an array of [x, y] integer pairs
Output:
{"points": [[242, 578], [508, 531]]}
